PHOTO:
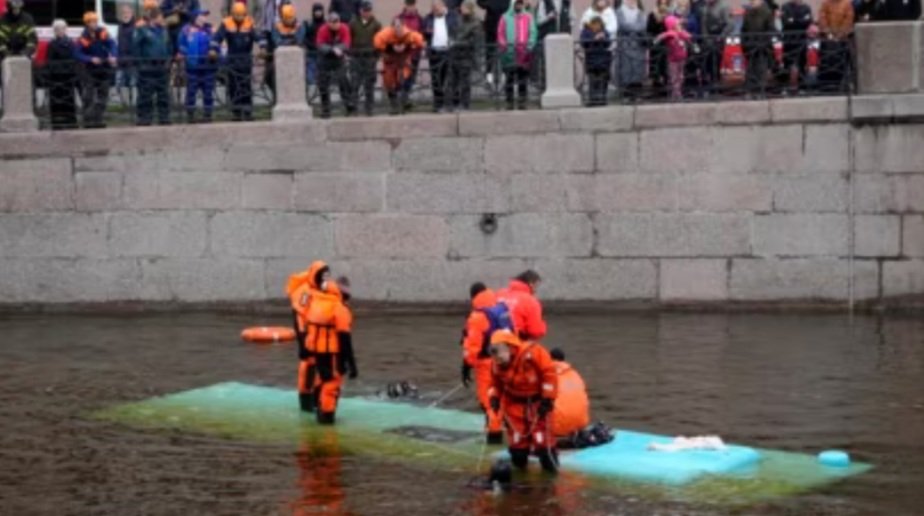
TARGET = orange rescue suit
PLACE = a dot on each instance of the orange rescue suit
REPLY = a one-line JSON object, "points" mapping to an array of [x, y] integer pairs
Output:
{"points": [[474, 353], [396, 64], [521, 385], [525, 310], [300, 289], [572, 409], [329, 341]]}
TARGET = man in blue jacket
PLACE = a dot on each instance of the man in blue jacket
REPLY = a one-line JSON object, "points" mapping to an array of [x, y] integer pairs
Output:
{"points": [[194, 41], [238, 33], [97, 51], [151, 42]]}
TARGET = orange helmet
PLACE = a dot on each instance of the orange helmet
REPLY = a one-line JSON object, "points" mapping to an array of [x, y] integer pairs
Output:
{"points": [[505, 337], [287, 12], [149, 4], [90, 17], [239, 10]]}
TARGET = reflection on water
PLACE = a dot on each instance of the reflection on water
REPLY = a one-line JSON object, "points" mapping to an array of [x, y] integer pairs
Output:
{"points": [[796, 382]]}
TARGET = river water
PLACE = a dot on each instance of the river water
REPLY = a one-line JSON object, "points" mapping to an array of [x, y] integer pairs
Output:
{"points": [[794, 382]]}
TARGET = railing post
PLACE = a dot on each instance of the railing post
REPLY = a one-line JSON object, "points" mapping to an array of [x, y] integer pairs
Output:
{"points": [[889, 57], [18, 108], [559, 73], [291, 102]]}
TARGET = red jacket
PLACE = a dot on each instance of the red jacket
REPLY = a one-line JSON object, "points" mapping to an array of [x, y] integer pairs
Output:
{"points": [[525, 310], [327, 40]]}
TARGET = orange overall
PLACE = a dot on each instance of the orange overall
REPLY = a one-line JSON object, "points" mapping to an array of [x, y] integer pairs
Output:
{"points": [[397, 66], [300, 288], [525, 309], [572, 409], [475, 354], [329, 341], [522, 385]]}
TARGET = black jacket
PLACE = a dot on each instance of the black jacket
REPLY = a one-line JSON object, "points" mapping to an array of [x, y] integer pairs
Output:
{"points": [[347, 9], [126, 31], [899, 10], [452, 27], [757, 30]]}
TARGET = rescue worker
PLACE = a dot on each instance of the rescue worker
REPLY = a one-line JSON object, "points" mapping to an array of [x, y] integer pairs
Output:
{"points": [[300, 288], [17, 32], [307, 38], [398, 44], [151, 42], [524, 389], [285, 33], [194, 41], [572, 408], [476, 342], [329, 340], [238, 33], [97, 51], [334, 43], [363, 29], [525, 309]]}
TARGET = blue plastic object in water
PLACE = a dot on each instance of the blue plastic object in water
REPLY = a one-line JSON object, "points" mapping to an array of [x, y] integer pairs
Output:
{"points": [[834, 458]]}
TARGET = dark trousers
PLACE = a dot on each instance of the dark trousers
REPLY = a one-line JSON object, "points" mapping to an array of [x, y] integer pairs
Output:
{"points": [[95, 96], [712, 62], [833, 65], [439, 77], [756, 73], [519, 77], [339, 74], [599, 80], [795, 55], [153, 92], [240, 91], [200, 80], [462, 83], [490, 43], [62, 102], [365, 81]]}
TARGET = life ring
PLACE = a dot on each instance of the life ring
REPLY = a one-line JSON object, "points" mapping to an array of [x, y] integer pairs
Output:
{"points": [[268, 334]]}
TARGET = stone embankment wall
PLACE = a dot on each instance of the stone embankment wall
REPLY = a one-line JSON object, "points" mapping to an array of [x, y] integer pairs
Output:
{"points": [[744, 201]]}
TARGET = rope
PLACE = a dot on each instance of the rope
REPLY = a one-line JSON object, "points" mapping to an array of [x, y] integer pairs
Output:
{"points": [[445, 396]]}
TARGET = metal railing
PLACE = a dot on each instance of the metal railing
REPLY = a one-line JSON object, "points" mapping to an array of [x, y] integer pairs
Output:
{"points": [[70, 94], [457, 79], [642, 69]]}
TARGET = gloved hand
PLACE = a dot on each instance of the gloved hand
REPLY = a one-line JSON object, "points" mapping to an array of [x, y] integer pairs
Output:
{"points": [[353, 371], [495, 403], [545, 407], [466, 374]]}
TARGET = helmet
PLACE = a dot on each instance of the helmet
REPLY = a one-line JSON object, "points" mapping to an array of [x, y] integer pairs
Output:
{"points": [[239, 10], [505, 337], [90, 17], [287, 12], [149, 4]]}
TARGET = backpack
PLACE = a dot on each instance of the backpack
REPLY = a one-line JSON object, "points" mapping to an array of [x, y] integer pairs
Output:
{"points": [[498, 319]]}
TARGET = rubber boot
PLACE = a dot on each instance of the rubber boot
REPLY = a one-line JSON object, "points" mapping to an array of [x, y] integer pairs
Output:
{"points": [[549, 460], [495, 438], [306, 402], [519, 458], [326, 418]]}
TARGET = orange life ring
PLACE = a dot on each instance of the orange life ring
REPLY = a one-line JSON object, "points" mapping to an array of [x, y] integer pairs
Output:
{"points": [[268, 334]]}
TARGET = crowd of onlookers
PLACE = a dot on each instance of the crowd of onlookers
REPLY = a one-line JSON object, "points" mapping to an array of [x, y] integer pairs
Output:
{"points": [[674, 48]]}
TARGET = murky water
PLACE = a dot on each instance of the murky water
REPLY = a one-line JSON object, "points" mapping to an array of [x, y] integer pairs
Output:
{"points": [[795, 382]]}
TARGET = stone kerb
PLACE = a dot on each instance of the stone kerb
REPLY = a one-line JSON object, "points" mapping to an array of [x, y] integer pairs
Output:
{"points": [[291, 102], [18, 115]]}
